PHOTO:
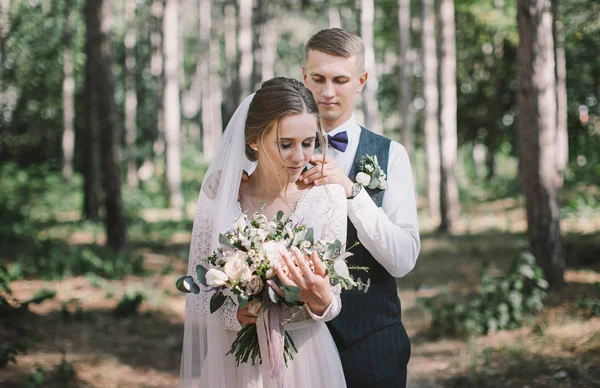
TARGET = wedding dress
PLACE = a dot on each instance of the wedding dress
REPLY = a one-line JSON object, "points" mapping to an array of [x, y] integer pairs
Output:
{"points": [[208, 337]]}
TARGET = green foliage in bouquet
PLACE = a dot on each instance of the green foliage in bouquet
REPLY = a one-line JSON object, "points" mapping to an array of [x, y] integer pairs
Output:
{"points": [[242, 265], [500, 304]]}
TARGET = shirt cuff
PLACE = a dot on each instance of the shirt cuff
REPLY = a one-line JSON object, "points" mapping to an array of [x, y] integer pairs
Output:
{"points": [[361, 203]]}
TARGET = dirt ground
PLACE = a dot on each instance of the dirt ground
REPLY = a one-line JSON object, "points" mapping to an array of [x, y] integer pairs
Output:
{"points": [[560, 349]]}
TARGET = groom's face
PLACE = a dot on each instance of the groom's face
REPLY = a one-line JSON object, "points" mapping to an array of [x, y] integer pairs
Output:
{"points": [[334, 82]]}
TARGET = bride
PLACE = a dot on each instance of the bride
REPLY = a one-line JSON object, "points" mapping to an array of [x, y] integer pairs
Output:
{"points": [[273, 134]]}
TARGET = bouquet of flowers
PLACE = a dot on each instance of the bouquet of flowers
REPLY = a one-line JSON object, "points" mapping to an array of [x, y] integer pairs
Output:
{"points": [[244, 262]]}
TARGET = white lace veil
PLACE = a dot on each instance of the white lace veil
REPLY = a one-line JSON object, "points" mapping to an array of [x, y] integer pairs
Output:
{"points": [[217, 207]]}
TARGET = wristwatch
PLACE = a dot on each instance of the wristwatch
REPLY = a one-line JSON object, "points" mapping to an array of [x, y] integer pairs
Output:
{"points": [[355, 190]]}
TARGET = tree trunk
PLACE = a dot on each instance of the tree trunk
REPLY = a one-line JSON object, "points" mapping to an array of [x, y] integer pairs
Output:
{"points": [[130, 93], [68, 140], [536, 135], [269, 48], [431, 94], [335, 20], [171, 104], [260, 18], [371, 107], [449, 143], [405, 75], [91, 155], [99, 22], [210, 83], [497, 110], [231, 79], [562, 135], [4, 27], [157, 69], [245, 47]]}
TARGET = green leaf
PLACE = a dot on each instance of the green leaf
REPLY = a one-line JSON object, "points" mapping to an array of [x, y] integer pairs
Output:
{"points": [[273, 296], [223, 240], [186, 284], [299, 237], [201, 273], [242, 300], [291, 293], [216, 301], [310, 236]]}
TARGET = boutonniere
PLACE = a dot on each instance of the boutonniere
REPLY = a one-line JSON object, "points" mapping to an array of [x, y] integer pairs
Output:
{"points": [[370, 174]]}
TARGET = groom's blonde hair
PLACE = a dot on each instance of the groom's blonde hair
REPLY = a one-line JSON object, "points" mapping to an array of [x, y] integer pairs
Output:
{"points": [[337, 42]]}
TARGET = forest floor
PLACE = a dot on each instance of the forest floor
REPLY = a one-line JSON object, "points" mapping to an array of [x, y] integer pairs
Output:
{"points": [[141, 347]]}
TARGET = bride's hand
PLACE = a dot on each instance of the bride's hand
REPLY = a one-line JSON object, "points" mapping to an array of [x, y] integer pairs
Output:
{"points": [[245, 317], [315, 286]]}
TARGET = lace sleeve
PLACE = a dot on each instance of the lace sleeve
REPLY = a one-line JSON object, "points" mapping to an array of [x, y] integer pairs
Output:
{"points": [[334, 228], [201, 235], [336, 217]]}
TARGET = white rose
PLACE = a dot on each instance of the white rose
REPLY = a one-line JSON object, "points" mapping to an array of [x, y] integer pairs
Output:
{"points": [[363, 178], [272, 249], [231, 255], [237, 269], [216, 278], [384, 184]]}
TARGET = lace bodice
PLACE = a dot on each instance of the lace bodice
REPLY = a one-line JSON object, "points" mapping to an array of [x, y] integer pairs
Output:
{"points": [[322, 208]]}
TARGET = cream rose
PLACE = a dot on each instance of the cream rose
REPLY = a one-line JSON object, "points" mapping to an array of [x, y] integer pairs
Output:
{"points": [[237, 270], [363, 178], [216, 278], [272, 249]]}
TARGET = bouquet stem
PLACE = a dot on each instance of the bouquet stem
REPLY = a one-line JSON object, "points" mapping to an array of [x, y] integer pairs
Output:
{"points": [[245, 347]]}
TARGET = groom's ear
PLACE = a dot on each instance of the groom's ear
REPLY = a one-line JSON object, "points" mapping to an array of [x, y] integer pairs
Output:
{"points": [[362, 81], [304, 75]]}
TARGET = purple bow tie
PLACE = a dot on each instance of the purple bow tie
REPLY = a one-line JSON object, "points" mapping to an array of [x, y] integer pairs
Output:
{"points": [[338, 141]]}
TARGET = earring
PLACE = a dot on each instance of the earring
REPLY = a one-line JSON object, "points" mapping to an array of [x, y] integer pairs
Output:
{"points": [[255, 148]]}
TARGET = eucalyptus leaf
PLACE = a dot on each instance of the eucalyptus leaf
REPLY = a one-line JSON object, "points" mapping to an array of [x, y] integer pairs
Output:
{"points": [[201, 273], [299, 237], [216, 301], [273, 296], [186, 284], [242, 300], [291, 293], [310, 236], [223, 240]]}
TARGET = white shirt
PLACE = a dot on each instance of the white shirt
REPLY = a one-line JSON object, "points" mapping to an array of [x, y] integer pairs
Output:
{"points": [[390, 232]]}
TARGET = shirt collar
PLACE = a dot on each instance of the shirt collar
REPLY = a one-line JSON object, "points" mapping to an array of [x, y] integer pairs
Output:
{"points": [[348, 126]]}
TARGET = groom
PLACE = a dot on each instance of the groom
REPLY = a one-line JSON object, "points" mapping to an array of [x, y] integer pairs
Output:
{"points": [[372, 342]]}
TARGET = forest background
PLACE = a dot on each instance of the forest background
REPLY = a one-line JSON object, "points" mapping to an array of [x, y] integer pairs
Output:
{"points": [[110, 112]]}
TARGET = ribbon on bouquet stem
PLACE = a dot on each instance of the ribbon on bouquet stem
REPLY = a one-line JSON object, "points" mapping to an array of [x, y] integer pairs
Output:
{"points": [[271, 340]]}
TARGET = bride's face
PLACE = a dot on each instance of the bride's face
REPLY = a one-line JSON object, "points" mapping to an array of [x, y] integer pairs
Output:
{"points": [[284, 158]]}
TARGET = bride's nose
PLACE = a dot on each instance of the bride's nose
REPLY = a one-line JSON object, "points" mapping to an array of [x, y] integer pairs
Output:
{"points": [[298, 154]]}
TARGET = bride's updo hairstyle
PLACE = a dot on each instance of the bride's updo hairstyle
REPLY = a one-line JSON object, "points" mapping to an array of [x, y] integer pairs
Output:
{"points": [[277, 99]]}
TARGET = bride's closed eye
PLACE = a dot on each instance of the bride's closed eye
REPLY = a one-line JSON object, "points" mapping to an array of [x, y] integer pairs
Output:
{"points": [[308, 144]]}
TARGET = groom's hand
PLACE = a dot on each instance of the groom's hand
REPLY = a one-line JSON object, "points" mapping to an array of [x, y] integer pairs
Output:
{"points": [[326, 171]]}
